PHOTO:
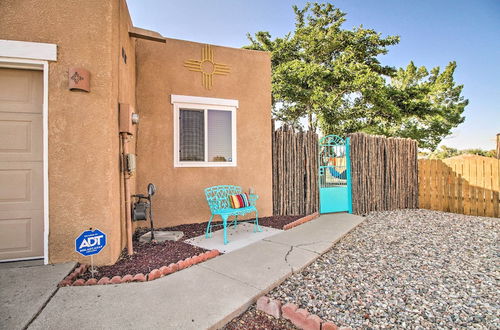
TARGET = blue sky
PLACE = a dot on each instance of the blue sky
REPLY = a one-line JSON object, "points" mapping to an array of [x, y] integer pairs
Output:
{"points": [[432, 34]]}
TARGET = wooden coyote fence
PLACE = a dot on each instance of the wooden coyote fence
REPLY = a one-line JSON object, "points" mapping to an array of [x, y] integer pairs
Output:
{"points": [[465, 184], [384, 173], [295, 168]]}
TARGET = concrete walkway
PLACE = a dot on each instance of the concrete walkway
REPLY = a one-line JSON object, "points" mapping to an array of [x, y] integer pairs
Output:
{"points": [[25, 287], [239, 236], [207, 295]]}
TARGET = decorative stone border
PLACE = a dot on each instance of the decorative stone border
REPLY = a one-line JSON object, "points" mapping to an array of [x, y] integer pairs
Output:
{"points": [[298, 316], [68, 280], [301, 221], [153, 275]]}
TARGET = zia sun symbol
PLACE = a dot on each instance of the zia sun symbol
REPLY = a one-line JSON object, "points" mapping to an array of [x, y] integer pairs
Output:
{"points": [[207, 66]]}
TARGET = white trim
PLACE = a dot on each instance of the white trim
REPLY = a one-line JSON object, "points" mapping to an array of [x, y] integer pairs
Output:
{"points": [[205, 138], [187, 102], [12, 63], [233, 137], [44, 66], [204, 164], [45, 129], [204, 100], [28, 50]]}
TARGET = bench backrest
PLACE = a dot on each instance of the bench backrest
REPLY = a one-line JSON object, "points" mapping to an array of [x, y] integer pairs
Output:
{"points": [[218, 196]]}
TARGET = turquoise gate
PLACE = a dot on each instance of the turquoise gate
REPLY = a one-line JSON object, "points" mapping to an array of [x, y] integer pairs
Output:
{"points": [[334, 175]]}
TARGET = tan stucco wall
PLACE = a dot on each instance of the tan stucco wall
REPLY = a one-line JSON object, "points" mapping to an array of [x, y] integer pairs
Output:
{"points": [[84, 185], [160, 73]]}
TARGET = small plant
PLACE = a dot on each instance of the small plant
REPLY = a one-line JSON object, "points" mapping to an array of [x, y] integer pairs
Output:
{"points": [[219, 159]]}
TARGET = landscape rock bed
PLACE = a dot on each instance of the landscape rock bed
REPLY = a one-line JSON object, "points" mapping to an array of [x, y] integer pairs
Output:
{"points": [[253, 319], [196, 229], [146, 257], [139, 277], [405, 268]]}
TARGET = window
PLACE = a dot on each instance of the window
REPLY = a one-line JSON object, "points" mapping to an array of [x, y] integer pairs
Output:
{"points": [[204, 131]]}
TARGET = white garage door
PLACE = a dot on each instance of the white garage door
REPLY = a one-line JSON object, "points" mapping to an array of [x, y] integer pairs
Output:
{"points": [[21, 164]]}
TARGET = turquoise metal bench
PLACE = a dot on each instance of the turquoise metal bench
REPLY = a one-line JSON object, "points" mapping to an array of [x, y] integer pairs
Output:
{"points": [[218, 201]]}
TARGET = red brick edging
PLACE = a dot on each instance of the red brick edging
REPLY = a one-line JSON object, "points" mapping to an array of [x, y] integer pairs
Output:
{"points": [[301, 221], [298, 316], [153, 275]]}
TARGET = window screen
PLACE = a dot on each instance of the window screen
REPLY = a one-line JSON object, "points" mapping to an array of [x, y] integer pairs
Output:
{"points": [[191, 135], [219, 136]]}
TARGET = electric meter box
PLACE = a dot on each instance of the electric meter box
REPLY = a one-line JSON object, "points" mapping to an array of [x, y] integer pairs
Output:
{"points": [[131, 163]]}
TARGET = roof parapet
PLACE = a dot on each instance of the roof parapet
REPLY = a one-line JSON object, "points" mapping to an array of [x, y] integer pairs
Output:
{"points": [[136, 32]]}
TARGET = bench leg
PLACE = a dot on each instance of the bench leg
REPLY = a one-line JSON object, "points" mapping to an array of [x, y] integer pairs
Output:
{"points": [[208, 232], [235, 221], [256, 224], [224, 224]]}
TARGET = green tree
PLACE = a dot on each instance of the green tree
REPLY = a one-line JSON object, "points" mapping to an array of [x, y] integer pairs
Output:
{"points": [[479, 152], [446, 152], [428, 105], [332, 77], [320, 69]]}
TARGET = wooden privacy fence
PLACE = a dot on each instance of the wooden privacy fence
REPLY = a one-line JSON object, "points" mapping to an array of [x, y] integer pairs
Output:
{"points": [[464, 184], [384, 173], [295, 168]]}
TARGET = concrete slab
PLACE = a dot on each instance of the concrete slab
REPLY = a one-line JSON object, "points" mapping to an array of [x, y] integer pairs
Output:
{"points": [[21, 263], [25, 290], [262, 265], [194, 298], [320, 234], [238, 237], [162, 236]]}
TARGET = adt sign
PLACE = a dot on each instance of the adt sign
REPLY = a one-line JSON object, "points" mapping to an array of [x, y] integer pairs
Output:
{"points": [[90, 242]]}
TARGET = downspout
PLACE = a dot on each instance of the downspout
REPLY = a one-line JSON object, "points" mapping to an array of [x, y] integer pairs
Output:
{"points": [[126, 184]]}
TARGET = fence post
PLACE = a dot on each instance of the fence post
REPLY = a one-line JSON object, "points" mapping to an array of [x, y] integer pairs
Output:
{"points": [[349, 179]]}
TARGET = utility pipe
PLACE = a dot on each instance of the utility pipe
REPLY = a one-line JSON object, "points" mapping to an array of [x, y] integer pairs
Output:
{"points": [[126, 183]]}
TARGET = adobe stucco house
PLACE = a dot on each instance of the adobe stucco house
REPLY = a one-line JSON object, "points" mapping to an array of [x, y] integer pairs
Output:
{"points": [[204, 120]]}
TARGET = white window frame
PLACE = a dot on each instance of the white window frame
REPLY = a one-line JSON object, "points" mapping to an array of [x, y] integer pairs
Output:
{"points": [[204, 103]]}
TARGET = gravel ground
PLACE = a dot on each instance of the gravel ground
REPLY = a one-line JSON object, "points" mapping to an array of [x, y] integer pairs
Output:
{"points": [[253, 319], [406, 269]]}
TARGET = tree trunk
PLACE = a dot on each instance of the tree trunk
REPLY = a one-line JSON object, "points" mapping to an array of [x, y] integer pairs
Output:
{"points": [[311, 121]]}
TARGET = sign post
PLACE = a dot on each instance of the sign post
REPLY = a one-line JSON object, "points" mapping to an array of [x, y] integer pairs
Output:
{"points": [[90, 242]]}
